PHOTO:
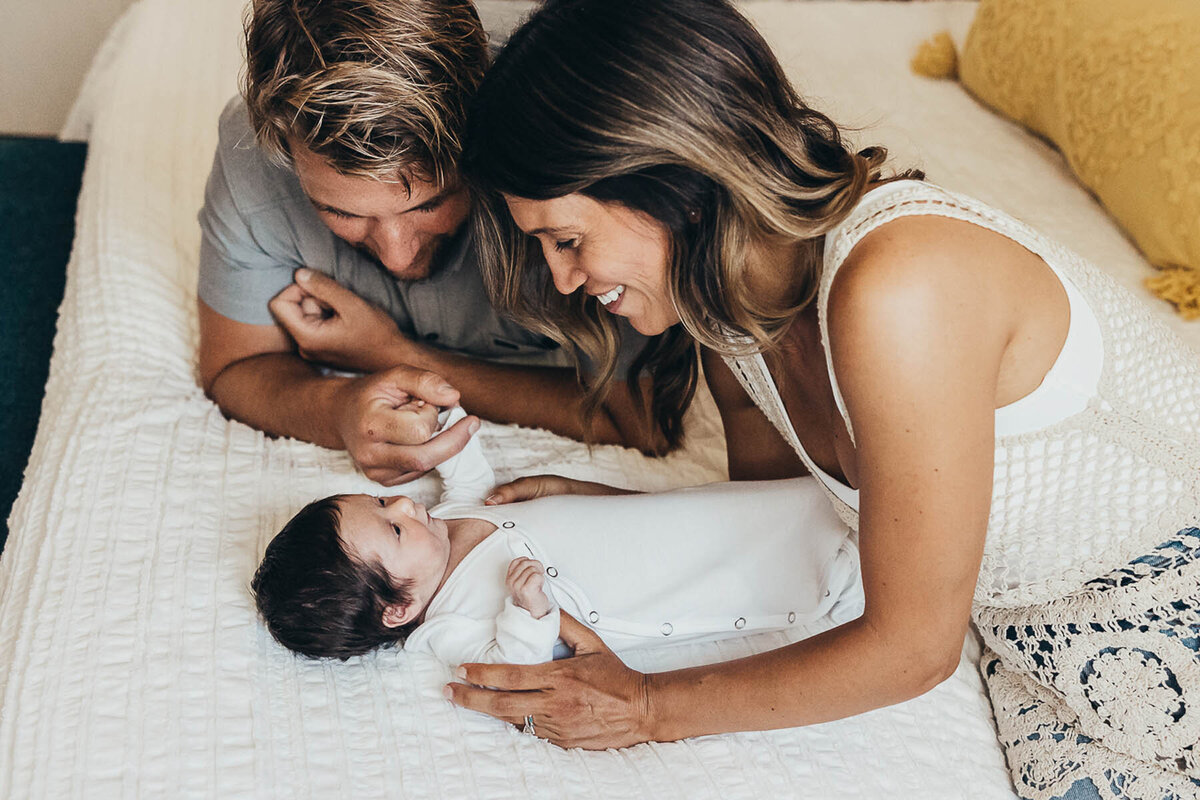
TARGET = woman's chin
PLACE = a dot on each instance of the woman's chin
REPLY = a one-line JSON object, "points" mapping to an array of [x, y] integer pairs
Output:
{"points": [[650, 327]]}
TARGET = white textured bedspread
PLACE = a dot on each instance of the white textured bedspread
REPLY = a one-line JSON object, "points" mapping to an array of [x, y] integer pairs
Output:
{"points": [[132, 664]]}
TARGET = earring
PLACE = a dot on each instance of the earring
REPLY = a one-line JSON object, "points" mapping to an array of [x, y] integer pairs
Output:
{"points": [[693, 215]]}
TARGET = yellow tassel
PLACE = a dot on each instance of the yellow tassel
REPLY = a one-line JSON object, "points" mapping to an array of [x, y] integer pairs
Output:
{"points": [[936, 57], [1179, 286]]}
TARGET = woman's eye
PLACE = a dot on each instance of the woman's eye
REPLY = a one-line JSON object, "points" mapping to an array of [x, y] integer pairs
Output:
{"points": [[429, 208], [565, 244]]}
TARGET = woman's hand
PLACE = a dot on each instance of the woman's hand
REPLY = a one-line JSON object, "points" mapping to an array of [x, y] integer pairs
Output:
{"points": [[535, 486], [591, 700]]}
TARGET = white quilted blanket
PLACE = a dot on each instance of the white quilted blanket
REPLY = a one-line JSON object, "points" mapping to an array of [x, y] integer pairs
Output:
{"points": [[131, 660]]}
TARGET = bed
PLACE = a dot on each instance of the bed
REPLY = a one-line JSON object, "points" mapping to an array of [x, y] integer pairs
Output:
{"points": [[132, 663]]}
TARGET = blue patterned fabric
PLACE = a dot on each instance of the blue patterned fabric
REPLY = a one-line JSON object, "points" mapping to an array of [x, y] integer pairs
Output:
{"points": [[1110, 705]]}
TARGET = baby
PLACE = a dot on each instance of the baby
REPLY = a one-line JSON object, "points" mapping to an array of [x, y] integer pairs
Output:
{"points": [[471, 582]]}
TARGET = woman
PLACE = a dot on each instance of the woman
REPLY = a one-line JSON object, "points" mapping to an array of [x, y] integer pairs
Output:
{"points": [[1015, 441]]}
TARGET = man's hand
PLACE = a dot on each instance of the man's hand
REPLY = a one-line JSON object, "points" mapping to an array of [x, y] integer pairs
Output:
{"points": [[525, 581], [390, 443], [332, 325]]}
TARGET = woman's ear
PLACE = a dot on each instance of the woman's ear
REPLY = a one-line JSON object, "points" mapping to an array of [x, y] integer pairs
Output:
{"points": [[395, 616]]}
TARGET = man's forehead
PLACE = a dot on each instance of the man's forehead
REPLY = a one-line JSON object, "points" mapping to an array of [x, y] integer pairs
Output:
{"points": [[320, 179]]}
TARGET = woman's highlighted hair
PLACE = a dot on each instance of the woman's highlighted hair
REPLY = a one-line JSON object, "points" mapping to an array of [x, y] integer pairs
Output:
{"points": [[669, 107]]}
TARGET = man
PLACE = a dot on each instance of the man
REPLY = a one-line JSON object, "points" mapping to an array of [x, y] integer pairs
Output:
{"points": [[338, 170]]}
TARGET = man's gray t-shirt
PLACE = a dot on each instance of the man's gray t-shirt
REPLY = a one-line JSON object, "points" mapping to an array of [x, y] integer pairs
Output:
{"points": [[258, 227]]}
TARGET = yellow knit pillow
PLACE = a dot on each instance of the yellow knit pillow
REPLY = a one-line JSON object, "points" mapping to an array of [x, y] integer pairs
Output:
{"points": [[1115, 84]]}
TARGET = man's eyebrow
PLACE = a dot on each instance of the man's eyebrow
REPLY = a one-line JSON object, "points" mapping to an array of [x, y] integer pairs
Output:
{"points": [[334, 209], [437, 198], [442, 195]]}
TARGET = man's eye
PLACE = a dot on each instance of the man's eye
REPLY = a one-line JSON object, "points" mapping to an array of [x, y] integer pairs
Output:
{"points": [[430, 207], [565, 244]]}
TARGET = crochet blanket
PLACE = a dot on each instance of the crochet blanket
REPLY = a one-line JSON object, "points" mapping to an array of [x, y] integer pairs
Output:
{"points": [[132, 663]]}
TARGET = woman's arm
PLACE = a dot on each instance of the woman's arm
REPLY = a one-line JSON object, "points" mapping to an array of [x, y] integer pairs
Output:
{"points": [[917, 345], [754, 449], [917, 351]]}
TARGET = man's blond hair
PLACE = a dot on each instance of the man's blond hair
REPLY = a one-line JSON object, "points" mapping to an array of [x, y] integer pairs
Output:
{"points": [[378, 88]]}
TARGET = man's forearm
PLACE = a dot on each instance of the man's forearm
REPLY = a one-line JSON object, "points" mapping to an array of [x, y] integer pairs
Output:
{"points": [[536, 397], [280, 394]]}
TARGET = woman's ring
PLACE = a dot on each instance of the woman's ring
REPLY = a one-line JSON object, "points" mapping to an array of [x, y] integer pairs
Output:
{"points": [[529, 725]]}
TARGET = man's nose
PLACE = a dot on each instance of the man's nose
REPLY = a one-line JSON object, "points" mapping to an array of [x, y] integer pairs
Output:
{"points": [[396, 245]]}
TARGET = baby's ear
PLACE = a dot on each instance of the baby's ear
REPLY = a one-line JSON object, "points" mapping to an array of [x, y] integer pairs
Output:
{"points": [[395, 616]]}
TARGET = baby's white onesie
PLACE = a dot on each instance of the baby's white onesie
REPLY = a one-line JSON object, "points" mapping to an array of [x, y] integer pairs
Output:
{"points": [[701, 563]]}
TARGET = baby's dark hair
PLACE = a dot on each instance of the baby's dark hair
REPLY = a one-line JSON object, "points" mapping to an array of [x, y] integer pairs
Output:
{"points": [[319, 600]]}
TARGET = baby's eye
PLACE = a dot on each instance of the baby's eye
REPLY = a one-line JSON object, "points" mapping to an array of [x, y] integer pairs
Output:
{"points": [[396, 530], [380, 501]]}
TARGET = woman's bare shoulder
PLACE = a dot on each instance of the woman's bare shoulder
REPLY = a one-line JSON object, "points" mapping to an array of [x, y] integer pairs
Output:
{"points": [[921, 289], [932, 268], [938, 246]]}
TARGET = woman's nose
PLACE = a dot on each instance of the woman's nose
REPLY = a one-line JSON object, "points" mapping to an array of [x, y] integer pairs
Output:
{"points": [[566, 278]]}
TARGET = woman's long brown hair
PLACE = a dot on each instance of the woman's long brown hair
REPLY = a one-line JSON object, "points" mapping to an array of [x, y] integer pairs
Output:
{"points": [[679, 110]]}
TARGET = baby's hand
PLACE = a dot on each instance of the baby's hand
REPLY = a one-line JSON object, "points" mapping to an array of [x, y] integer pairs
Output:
{"points": [[416, 420], [525, 580]]}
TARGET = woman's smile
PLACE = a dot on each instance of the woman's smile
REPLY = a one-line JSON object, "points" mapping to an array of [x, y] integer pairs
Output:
{"points": [[612, 299], [615, 254]]}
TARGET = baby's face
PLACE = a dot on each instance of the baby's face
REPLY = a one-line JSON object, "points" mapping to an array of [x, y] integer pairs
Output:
{"points": [[399, 534]]}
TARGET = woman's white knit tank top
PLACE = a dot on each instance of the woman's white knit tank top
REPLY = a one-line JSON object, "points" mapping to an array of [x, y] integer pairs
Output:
{"points": [[1092, 468]]}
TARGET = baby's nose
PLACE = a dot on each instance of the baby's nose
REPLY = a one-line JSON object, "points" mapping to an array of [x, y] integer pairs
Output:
{"points": [[405, 503]]}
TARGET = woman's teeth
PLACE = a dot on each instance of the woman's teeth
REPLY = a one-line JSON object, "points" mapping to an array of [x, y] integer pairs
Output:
{"points": [[609, 297]]}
